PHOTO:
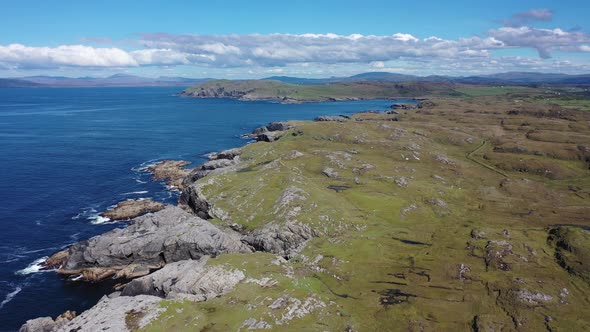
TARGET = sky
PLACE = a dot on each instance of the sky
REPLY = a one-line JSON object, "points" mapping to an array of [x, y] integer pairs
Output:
{"points": [[320, 38]]}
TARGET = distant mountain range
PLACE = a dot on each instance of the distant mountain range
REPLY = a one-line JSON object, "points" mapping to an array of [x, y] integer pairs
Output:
{"points": [[519, 78], [122, 80], [118, 80]]}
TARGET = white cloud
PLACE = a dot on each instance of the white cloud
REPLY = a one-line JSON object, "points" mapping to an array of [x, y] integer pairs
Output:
{"points": [[543, 40], [434, 54], [21, 56], [378, 64]]}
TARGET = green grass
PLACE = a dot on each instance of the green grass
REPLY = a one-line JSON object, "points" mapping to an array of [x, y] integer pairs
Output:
{"points": [[379, 239], [479, 91], [268, 89]]}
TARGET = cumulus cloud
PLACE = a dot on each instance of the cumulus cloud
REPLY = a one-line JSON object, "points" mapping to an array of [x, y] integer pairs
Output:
{"points": [[520, 19], [21, 56], [543, 40], [307, 50], [283, 49]]}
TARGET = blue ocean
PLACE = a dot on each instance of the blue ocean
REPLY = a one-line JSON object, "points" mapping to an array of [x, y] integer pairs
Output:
{"points": [[68, 154]]}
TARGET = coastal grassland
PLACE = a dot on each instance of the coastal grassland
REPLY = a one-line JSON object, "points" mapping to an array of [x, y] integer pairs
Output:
{"points": [[479, 91], [438, 219], [275, 90]]}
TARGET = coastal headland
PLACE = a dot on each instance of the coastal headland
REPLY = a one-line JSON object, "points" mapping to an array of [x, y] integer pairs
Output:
{"points": [[467, 211]]}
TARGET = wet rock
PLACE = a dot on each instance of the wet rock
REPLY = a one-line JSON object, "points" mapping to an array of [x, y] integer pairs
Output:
{"points": [[330, 172], [149, 243], [132, 208], [171, 170], [284, 240], [188, 279]]}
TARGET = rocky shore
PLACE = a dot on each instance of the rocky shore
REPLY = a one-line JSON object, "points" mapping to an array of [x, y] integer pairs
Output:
{"points": [[370, 222], [163, 252]]}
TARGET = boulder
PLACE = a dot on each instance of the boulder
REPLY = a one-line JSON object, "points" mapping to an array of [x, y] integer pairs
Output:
{"points": [[172, 171], [149, 243], [188, 279]]}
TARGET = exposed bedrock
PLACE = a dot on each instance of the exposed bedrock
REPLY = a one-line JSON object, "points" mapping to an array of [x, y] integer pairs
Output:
{"points": [[117, 313], [150, 242], [271, 132], [134, 208], [285, 240], [189, 279]]}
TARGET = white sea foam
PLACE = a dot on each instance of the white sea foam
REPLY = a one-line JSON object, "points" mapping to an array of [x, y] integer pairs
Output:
{"points": [[139, 181], [141, 192], [34, 267], [76, 278], [10, 296], [97, 220]]}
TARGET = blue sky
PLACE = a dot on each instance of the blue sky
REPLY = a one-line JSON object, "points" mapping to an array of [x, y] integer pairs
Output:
{"points": [[301, 38]]}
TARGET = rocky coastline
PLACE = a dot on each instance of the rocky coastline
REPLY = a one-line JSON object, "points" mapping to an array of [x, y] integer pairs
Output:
{"points": [[162, 253], [419, 218]]}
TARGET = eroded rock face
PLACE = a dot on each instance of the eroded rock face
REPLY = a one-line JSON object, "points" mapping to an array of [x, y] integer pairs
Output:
{"points": [[192, 200], [132, 209], [284, 240], [189, 279], [150, 242]]}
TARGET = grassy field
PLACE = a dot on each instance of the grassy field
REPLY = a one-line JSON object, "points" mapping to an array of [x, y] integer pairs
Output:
{"points": [[447, 222], [267, 89]]}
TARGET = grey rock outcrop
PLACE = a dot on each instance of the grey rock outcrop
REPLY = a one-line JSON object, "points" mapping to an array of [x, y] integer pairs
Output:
{"points": [[192, 200], [189, 279], [150, 242], [41, 324], [284, 240], [271, 132], [121, 313], [338, 118]]}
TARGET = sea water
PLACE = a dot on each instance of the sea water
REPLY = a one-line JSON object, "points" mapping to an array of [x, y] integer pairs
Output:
{"points": [[68, 154]]}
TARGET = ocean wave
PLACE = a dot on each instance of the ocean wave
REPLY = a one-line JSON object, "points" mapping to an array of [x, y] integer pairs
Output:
{"points": [[145, 165], [90, 213], [141, 192], [10, 296], [99, 220], [34, 267]]}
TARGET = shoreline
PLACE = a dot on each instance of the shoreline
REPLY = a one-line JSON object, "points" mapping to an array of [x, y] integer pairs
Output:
{"points": [[52, 263]]}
